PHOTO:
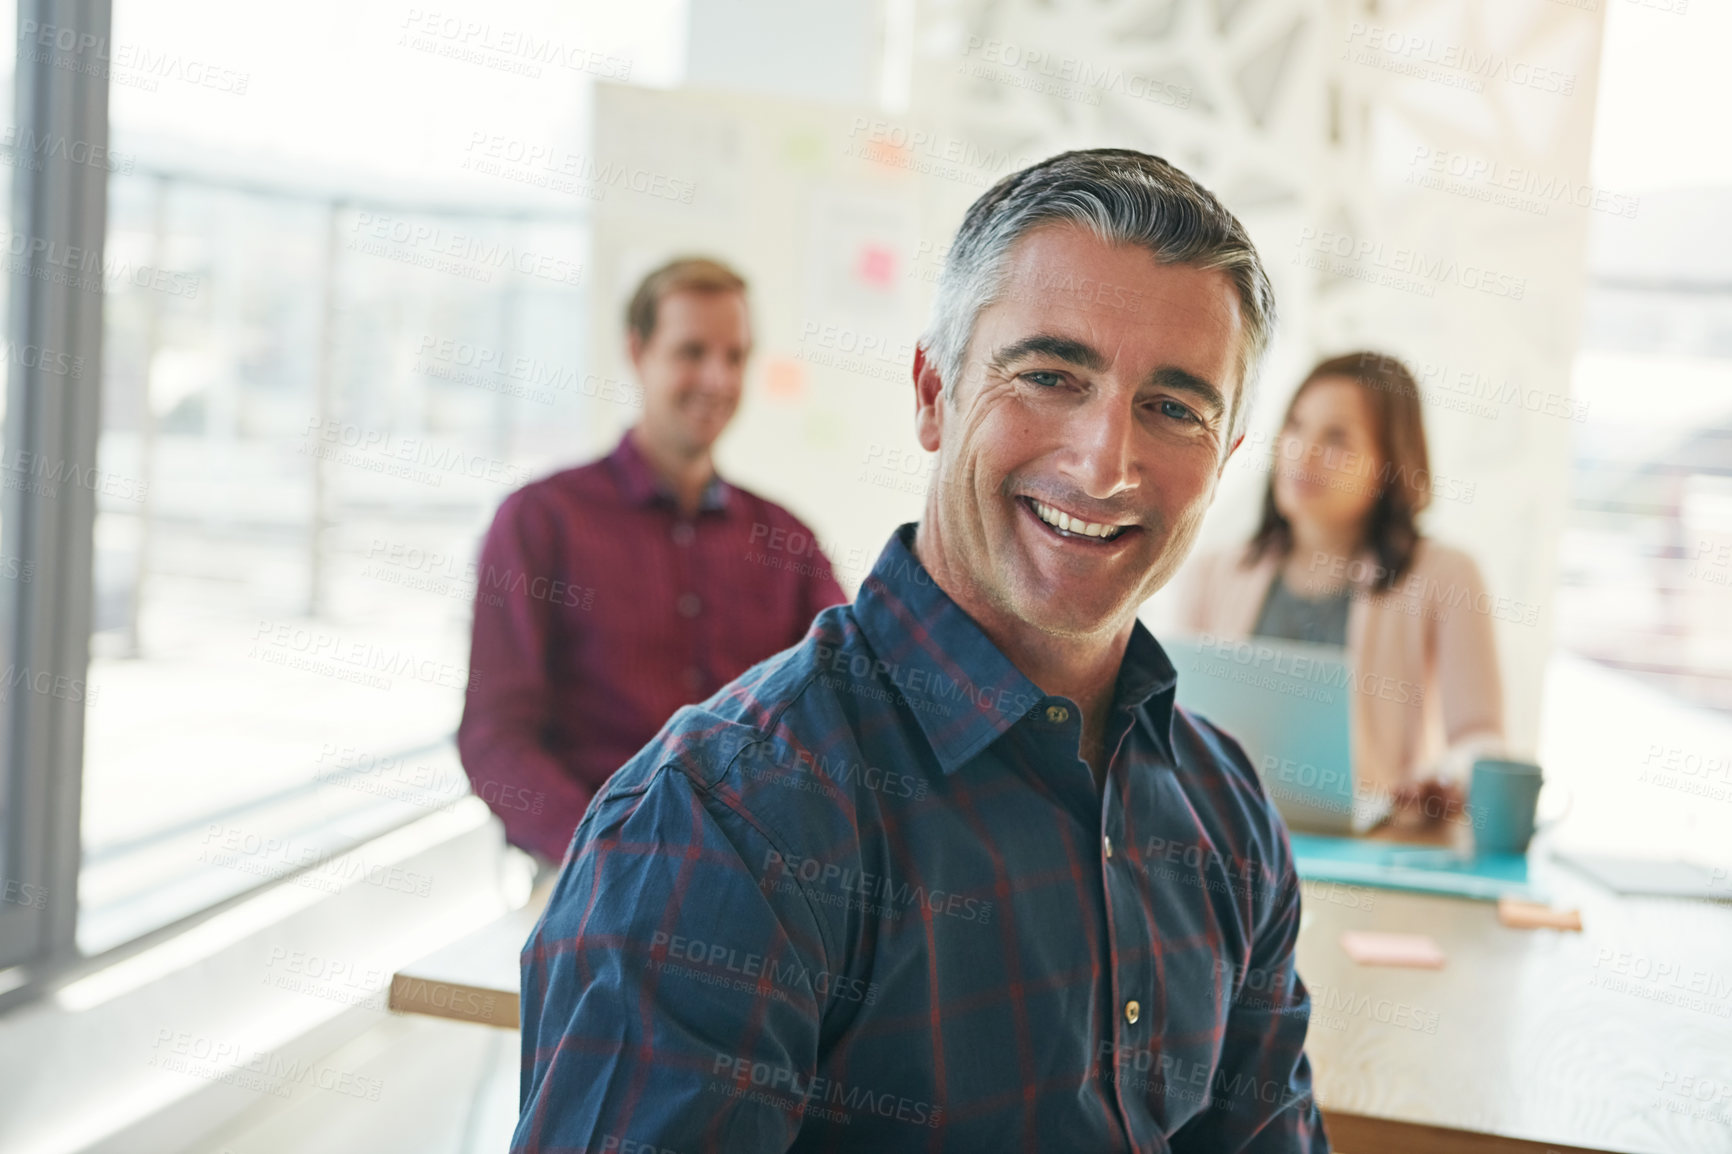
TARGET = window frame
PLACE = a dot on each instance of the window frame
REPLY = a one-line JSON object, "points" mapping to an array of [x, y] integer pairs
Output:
{"points": [[45, 622]]}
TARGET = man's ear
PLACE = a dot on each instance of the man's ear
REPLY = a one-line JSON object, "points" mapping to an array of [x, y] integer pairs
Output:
{"points": [[633, 347], [928, 401]]}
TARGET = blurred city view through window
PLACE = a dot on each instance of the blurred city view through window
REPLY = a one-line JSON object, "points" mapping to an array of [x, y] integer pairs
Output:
{"points": [[307, 426], [1645, 583], [318, 383]]}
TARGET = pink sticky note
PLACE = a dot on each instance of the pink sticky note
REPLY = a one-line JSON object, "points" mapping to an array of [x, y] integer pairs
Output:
{"points": [[876, 265], [1374, 949]]}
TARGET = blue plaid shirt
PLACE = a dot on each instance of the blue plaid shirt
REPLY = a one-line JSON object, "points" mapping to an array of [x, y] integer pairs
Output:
{"points": [[867, 897]]}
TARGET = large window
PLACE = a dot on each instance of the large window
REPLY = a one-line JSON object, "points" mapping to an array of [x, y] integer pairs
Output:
{"points": [[328, 312], [314, 406], [1647, 549], [316, 400]]}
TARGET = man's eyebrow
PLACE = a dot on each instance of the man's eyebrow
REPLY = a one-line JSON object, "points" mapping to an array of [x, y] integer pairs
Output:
{"points": [[1181, 381], [1076, 352]]}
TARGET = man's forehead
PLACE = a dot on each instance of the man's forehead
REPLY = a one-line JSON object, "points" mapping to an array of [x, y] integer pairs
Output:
{"points": [[692, 300], [1138, 308], [701, 310], [1070, 262]]}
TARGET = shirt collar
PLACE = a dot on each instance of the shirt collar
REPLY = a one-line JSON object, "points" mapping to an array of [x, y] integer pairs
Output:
{"points": [[962, 690], [639, 484], [1149, 681]]}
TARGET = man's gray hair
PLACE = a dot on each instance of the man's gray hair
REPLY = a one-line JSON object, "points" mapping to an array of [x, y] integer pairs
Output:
{"points": [[1123, 197]]}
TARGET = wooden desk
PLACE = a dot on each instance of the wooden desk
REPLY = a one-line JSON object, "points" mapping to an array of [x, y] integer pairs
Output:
{"points": [[1527, 1041], [474, 979]]}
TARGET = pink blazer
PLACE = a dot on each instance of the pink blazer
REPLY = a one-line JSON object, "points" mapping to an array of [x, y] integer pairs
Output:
{"points": [[1428, 696]]}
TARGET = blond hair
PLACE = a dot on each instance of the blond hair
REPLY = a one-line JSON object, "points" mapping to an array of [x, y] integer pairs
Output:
{"points": [[684, 274]]}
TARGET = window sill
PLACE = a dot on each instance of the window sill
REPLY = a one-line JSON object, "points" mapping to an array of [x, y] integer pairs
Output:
{"points": [[161, 1047]]}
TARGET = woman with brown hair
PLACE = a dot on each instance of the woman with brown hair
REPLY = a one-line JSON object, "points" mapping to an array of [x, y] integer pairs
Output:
{"points": [[1338, 559]]}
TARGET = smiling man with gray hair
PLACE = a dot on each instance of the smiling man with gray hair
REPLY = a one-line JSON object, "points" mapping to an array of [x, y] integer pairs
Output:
{"points": [[954, 873]]}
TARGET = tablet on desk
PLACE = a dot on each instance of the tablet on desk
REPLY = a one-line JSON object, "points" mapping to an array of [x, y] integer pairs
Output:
{"points": [[1650, 877]]}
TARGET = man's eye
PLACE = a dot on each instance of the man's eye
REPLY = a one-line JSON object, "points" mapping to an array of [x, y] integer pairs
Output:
{"points": [[1044, 379], [1177, 411]]}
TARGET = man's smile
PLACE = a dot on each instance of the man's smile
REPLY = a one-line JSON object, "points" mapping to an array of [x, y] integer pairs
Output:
{"points": [[1074, 527]]}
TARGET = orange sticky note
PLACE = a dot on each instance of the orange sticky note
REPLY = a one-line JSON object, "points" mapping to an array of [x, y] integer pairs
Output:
{"points": [[1375, 949], [784, 378], [1520, 915]]}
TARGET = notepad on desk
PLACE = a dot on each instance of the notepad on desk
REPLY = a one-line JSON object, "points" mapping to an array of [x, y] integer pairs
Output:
{"points": [[1419, 869]]}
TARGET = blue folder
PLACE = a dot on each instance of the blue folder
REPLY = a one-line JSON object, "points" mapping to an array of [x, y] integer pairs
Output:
{"points": [[1420, 869]]}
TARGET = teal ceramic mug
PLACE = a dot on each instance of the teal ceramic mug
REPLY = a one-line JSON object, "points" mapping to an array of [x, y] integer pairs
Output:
{"points": [[1501, 796]]}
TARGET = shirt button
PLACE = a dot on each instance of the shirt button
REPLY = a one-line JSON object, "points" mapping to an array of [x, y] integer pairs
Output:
{"points": [[683, 533], [1057, 714], [1133, 1011], [688, 604], [1107, 845]]}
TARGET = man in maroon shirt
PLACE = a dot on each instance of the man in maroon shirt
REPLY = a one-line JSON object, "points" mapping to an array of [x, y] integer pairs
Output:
{"points": [[609, 595]]}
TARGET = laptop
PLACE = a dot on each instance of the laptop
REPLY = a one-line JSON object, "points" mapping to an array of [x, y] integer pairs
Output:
{"points": [[1287, 703]]}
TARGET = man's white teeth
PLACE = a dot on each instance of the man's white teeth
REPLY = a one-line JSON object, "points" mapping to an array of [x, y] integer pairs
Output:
{"points": [[1061, 520]]}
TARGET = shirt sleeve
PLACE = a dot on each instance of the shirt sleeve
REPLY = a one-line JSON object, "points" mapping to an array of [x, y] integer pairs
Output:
{"points": [[509, 701], [670, 993], [1261, 1100]]}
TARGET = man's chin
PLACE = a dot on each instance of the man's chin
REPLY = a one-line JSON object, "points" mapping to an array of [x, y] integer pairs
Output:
{"points": [[703, 436], [1062, 616]]}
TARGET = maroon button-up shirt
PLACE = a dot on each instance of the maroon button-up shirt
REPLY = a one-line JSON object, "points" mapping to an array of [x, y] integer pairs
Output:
{"points": [[599, 610]]}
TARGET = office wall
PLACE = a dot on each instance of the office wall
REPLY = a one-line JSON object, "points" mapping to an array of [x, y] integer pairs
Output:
{"points": [[1414, 173], [797, 196]]}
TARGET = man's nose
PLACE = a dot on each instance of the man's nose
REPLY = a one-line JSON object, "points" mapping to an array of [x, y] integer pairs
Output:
{"points": [[719, 374], [1101, 459]]}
